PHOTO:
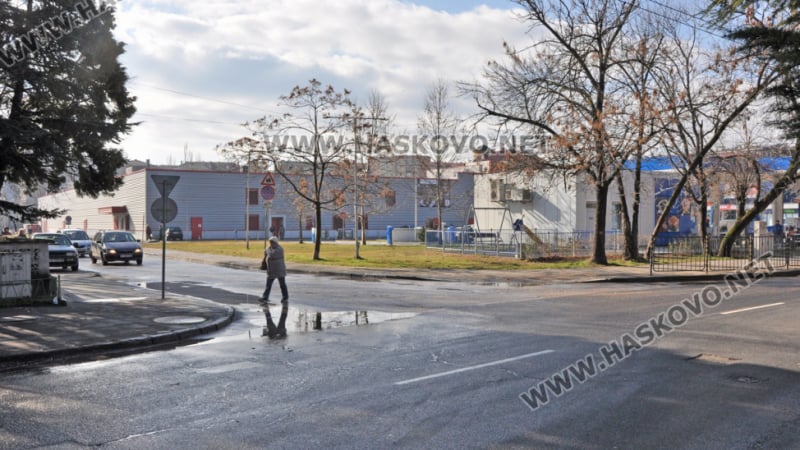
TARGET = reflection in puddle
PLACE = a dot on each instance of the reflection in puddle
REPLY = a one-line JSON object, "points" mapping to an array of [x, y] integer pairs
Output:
{"points": [[304, 320]]}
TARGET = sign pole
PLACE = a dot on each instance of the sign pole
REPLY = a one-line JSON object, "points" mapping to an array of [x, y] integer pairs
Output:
{"points": [[164, 243]]}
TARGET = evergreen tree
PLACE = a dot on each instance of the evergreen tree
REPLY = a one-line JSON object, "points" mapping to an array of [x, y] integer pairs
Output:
{"points": [[63, 100]]}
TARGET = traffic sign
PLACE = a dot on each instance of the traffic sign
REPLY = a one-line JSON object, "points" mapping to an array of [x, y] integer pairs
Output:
{"points": [[268, 180], [164, 211], [267, 192]]}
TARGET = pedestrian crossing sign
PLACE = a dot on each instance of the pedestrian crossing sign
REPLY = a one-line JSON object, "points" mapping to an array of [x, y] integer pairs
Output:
{"points": [[268, 180]]}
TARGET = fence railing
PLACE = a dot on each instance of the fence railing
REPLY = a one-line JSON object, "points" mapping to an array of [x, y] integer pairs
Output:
{"points": [[671, 254], [520, 244], [693, 253]]}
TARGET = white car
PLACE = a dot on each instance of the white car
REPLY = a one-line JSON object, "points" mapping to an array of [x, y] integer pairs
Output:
{"points": [[81, 240], [61, 250]]}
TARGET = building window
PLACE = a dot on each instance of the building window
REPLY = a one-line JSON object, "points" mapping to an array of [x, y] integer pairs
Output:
{"points": [[252, 197], [390, 198], [338, 221], [254, 222]]}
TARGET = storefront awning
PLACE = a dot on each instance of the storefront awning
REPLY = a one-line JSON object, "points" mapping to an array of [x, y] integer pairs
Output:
{"points": [[113, 210]]}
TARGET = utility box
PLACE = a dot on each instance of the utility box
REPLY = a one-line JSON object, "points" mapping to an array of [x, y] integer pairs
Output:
{"points": [[15, 275]]}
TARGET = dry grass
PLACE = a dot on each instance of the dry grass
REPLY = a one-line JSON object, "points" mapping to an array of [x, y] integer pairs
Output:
{"points": [[375, 255]]}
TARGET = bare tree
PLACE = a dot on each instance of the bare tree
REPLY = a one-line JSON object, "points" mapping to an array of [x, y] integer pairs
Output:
{"points": [[439, 123], [643, 55], [377, 120], [308, 140], [704, 92], [562, 86], [769, 31]]}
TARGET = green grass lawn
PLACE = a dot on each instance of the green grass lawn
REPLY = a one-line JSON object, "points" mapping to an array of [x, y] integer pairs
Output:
{"points": [[373, 255]]}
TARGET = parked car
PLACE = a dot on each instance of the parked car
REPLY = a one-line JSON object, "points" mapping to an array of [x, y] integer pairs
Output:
{"points": [[174, 234], [60, 249], [108, 246], [80, 240]]}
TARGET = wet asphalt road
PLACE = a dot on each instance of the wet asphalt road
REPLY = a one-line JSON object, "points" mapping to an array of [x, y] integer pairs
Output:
{"points": [[437, 365]]}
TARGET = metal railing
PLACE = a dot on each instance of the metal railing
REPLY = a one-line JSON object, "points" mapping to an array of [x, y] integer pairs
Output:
{"points": [[693, 253], [520, 244]]}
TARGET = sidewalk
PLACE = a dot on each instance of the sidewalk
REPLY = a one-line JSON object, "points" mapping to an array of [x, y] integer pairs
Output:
{"points": [[110, 315]]}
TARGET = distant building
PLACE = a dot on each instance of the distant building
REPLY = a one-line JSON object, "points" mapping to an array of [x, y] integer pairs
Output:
{"points": [[218, 204]]}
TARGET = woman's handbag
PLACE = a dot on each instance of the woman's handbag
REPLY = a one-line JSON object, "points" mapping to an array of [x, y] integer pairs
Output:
{"points": [[264, 263]]}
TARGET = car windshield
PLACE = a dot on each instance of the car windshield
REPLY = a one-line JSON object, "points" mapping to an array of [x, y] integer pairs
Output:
{"points": [[57, 239], [77, 235], [118, 237]]}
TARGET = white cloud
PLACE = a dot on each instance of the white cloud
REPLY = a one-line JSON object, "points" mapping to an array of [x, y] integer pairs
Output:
{"points": [[251, 52]]}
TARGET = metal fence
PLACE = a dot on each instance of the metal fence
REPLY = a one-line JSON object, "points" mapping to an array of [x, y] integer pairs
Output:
{"points": [[693, 253], [672, 254], [520, 244]]}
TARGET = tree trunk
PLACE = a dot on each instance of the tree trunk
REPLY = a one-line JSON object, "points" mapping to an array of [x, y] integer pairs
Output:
{"points": [[630, 246], [318, 227], [599, 256]]}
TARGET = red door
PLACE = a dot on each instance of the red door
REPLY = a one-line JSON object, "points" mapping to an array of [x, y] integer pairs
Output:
{"points": [[197, 228]]}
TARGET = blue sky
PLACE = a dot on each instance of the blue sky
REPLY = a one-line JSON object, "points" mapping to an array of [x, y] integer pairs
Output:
{"points": [[200, 69]]}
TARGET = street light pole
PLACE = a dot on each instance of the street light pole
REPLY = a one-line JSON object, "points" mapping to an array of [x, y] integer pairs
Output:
{"points": [[164, 240], [355, 185], [247, 204]]}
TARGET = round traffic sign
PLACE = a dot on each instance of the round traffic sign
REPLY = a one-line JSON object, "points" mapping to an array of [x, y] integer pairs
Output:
{"points": [[164, 213], [267, 192]]}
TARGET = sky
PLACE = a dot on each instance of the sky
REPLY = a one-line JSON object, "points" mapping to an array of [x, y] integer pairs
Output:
{"points": [[201, 69]]}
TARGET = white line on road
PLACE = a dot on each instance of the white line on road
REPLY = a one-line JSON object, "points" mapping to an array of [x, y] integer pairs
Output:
{"points": [[479, 366], [750, 309]]}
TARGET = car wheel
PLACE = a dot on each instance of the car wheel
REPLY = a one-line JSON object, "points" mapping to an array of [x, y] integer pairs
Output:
{"points": [[138, 262], [75, 268], [103, 259]]}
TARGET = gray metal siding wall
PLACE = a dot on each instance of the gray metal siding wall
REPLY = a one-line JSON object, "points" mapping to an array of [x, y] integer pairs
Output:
{"points": [[88, 209], [219, 199]]}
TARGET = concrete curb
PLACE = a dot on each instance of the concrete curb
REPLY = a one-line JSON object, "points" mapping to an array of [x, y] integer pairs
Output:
{"points": [[130, 343]]}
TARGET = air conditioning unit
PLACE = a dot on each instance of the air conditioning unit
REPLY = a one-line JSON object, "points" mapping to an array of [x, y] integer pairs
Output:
{"points": [[519, 195]]}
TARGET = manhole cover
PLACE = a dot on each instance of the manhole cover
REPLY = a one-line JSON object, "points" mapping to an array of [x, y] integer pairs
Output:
{"points": [[179, 320], [748, 380]]}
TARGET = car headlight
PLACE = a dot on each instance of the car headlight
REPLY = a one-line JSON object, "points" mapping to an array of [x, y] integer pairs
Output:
{"points": [[137, 251], [112, 251]]}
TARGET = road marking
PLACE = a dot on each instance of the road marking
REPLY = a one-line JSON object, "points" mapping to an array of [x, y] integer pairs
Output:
{"points": [[479, 366], [750, 309]]}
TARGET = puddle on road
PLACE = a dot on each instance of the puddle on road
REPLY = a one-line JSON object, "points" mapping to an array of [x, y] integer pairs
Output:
{"points": [[305, 320]]}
